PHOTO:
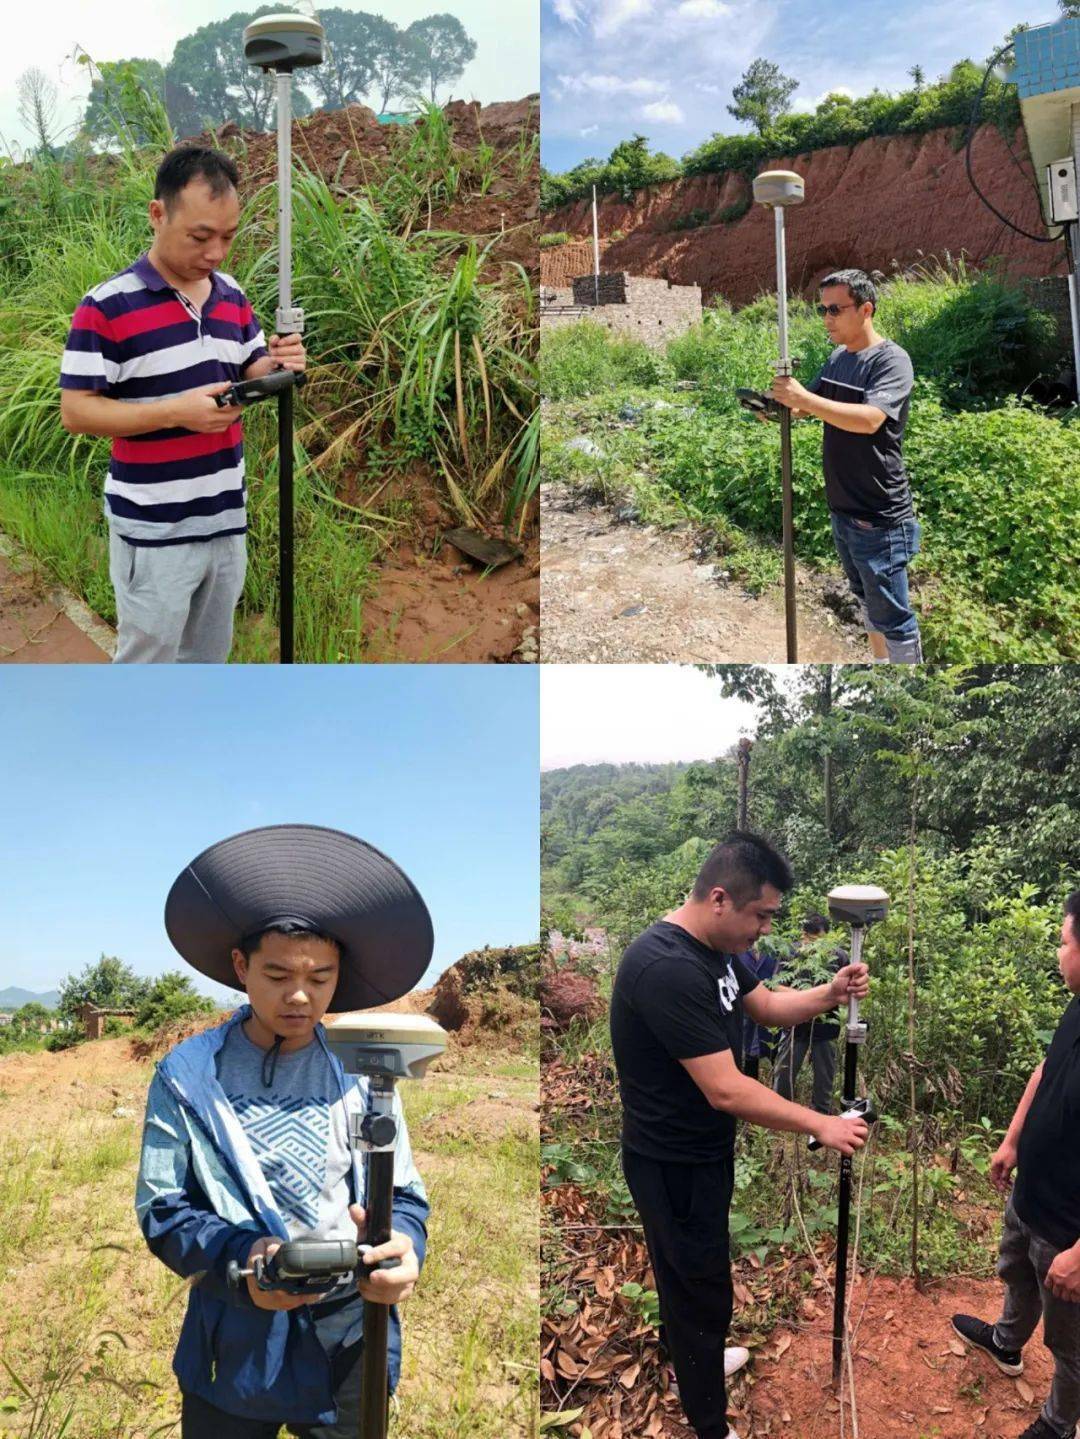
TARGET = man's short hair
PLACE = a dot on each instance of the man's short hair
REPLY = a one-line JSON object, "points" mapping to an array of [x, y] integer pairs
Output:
{"points": [[859, 285], [1072, 911], [815, 924], [742, 864], [250, 942], [191, 162]]}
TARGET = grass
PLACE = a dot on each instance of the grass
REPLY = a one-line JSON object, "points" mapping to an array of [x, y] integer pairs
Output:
{"points": [[419, 361], [90, 1318], [996, 479]]}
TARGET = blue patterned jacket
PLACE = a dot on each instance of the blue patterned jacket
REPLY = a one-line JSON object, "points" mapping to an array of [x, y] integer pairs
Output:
{"points": [[202, 1200]]}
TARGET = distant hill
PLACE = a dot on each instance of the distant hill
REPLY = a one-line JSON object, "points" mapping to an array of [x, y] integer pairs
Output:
{"points": [[14, 998]]}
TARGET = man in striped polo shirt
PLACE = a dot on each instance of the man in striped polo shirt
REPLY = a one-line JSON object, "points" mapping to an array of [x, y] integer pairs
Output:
{"points": [[148, 351]]}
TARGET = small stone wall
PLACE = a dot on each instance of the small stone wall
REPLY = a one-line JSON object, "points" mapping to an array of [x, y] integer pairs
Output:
{"points": [[653, 310]]}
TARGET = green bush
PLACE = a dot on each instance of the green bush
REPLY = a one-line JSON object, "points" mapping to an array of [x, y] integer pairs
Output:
{"points": [[557, 237], [583, 359], [173, 996]]}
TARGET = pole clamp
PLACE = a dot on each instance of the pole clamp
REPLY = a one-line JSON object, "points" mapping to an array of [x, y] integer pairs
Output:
{"points": [[289, 321]]}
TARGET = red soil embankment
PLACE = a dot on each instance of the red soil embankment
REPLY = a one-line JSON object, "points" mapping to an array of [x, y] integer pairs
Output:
{"points": [[892, 200]]}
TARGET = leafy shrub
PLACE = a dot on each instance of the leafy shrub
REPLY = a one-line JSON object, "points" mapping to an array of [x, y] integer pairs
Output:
{"points": [[171, 997], [583, 359], [557, 237]]}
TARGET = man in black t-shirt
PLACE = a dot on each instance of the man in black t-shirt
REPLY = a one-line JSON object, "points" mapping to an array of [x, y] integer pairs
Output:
{"points": [[862, 394], [1039, 1259], [677, 1010]]}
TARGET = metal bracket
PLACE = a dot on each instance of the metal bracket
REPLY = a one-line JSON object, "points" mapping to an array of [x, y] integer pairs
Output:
{"points": [[290, 321]]}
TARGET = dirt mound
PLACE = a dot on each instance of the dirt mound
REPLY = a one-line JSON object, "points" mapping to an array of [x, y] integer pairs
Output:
{"points": [[153, 1046], [564, 996], [490, 993], [350, 149], [888, 200]]}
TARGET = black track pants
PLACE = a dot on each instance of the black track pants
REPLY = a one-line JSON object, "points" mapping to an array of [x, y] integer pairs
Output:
{"points": [[201, 1420], [684, 1210]]}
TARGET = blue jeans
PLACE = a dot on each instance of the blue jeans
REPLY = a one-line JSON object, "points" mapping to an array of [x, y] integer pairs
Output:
{"points": [[875, 559]]}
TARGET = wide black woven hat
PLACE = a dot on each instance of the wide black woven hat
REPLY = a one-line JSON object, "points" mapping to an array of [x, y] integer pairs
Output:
{"points": [[319, 878]]}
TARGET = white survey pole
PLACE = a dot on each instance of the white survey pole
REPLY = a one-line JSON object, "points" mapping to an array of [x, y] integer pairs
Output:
{"points": [[595, 249], [776, 190]]}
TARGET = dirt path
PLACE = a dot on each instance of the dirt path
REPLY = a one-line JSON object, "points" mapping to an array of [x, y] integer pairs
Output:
{"points": [[624, 593], [36, 624], [913, 1377]]}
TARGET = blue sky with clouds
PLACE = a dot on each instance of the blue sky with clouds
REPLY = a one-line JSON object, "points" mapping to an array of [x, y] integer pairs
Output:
{"points": [[666, 68], [116, 777]]}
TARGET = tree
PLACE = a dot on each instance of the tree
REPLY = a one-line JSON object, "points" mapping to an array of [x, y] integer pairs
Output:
{"points": [[109, 984], [918, 77], [37, 107], [1070, 8], [762, 95], [30, 1018], [210, 64], [136, 102], [398, 66], [355, 41], [173, 996], [445, 48]]}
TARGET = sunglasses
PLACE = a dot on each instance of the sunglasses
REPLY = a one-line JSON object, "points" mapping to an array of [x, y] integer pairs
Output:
{"points": [[833, 310]]}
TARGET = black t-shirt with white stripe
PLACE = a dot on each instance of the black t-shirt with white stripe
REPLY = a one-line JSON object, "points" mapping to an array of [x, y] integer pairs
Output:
{"points": [[1047, 1192], [674, 998], [865, 477]]}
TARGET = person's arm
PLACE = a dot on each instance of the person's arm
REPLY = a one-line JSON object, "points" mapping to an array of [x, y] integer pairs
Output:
{"points": [[856, 419], [1004, 1161], [782, 1008], [725, 1087], [175, 1216], [88, 412]]}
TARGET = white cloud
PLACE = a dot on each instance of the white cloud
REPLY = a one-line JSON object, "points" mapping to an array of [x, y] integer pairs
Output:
{"points": [[702, 9], [609, 85], [567, 12], [807, 106], [664, 112], [588, 130], [611, 15]]}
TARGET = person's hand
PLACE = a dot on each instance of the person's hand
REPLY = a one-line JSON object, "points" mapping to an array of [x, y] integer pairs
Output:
{"points": [[1063, 1276], [789, 392], [1002, 1166], [843, 1135], [851, 982], [386, 1286], [196, 410], [288, 352], [273, 1298]]}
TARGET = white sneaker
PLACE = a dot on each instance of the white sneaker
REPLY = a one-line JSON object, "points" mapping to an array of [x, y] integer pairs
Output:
{"points": [[734, 1359]]}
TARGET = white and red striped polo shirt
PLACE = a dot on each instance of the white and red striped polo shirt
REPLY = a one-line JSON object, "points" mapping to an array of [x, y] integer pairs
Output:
{"points": [[136, 339]]}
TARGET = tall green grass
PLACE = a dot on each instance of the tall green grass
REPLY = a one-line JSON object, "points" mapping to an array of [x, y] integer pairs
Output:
{"points": [[419, 354]]}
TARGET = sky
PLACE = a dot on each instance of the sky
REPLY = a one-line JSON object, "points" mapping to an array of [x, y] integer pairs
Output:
{"points": [[506, 66], [117, 777], [652, 714], [666, 68]]}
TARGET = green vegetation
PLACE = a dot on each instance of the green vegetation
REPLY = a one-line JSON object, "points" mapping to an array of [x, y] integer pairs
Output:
{"points": [[996, 479], [419, 354], [905, 779], [837, 120]]}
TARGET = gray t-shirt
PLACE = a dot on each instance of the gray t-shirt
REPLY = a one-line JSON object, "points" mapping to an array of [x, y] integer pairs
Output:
{"points": [[865, 477], [298, 1131]]}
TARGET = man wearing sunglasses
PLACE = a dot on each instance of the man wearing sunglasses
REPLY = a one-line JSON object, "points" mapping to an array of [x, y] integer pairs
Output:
{"points": [[862, 395]]}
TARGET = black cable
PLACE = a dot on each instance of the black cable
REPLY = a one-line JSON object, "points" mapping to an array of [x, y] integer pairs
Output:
{"points": [[1038, 239]]}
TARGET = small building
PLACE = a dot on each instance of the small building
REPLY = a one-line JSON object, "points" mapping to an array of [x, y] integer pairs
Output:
{"points": [[93, 1019]]}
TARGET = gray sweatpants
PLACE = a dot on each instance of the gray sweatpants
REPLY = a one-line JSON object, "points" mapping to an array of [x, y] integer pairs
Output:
{"points": [[789, 1060], [1022, 1264], [175, 603]]}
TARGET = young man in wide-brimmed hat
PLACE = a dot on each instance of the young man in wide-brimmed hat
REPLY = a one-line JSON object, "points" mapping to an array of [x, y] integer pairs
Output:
{"points": [[246, 1139]]}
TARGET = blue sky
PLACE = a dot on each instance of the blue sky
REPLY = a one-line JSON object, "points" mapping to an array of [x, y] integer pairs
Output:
{"points": [[666, 68], [116, 777]]}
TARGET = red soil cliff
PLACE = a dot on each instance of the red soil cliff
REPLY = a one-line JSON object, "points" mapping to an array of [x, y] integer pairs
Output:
{"points": [[890, 200]]}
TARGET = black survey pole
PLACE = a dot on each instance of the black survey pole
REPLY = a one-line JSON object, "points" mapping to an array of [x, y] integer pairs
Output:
{"points": [[378, 1136], [283, 43], [859, 906]]}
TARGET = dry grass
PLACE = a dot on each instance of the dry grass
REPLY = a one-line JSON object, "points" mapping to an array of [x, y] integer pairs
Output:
{"points": [[89, 1318]]}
